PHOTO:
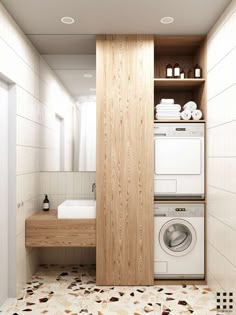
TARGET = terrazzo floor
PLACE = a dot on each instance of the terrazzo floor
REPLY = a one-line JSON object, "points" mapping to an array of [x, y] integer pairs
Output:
{"points": [[57, 290]]}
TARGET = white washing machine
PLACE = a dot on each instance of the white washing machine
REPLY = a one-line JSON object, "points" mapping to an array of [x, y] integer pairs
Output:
{"points": [[179, 241]]}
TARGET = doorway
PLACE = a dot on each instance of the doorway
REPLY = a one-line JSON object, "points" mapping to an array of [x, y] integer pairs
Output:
{"points": [[4, 191]]}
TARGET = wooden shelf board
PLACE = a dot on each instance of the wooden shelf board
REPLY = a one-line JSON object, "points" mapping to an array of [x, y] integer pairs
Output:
{"points": [[179, 201], [179, 121], [177, 83]]}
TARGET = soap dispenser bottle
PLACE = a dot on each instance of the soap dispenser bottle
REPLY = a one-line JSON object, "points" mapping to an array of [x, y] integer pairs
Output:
{"points": [[46, 204]]}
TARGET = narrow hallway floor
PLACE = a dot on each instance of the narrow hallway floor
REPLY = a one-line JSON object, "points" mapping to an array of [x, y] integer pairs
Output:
{"points": [[58, 290]]}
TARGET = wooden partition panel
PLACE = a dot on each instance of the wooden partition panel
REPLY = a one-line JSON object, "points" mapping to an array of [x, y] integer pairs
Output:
{"points": [[125, 160]]}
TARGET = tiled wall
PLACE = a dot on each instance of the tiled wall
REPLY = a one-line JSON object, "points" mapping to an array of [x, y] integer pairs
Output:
{"points": [[222, 153], [66, 185], [39, 95]]}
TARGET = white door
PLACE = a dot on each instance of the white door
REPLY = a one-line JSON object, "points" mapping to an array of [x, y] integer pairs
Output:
{"points": [[3, 192], [178, 156]]}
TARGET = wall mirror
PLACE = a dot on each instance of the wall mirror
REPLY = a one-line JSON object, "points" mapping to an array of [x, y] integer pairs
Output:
{"points": [[73, 122]]}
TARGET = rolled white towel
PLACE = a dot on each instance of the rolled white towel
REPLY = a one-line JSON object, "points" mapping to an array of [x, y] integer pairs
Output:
{"points": [[191, 106], [197, 114], [167, 101], [168, 107], [186, 114]]}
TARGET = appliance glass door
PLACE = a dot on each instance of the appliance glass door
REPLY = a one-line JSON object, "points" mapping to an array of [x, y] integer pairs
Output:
{"points": [[178, 156], [177, 237]]}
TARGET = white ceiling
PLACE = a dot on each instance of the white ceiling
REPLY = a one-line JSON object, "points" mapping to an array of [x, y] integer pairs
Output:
{"points": [[71, 69], [64, 44], [115, 16]]}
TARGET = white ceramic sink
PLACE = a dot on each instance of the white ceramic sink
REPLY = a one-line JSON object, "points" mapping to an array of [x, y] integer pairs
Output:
{"points": [[77, 209]]}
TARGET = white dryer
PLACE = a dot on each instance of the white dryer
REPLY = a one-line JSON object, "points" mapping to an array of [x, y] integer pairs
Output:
{"points": [[179, 241], [179, 161]]}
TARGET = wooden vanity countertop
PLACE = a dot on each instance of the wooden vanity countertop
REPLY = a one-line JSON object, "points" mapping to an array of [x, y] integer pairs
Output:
{"points": [[44, 229]]}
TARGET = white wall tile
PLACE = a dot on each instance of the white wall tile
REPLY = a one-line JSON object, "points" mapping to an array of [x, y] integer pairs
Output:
{"points": [[213, 284], [27, 160], [221, 205], [27, 132], [222, 173], [221, 141], [221, 109], [222, 76], [16, 39], [222, 42], [221, 117]]}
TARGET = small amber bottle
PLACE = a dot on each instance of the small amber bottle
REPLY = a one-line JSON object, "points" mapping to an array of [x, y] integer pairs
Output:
{"points": [[169, 71], [190, 74], [182, 74]]}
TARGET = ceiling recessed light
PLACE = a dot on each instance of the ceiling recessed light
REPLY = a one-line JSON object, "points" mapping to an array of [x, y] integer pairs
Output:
{"points": [[167, 20], [92, 89], [67, 20], [88, 75]]}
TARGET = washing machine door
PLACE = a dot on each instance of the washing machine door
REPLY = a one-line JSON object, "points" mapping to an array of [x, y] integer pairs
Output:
{"points": [[177, 237]]}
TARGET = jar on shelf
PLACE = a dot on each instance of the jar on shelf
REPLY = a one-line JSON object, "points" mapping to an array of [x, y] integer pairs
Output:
{"points": [[176, 71], [169, 71], [182, 74]]}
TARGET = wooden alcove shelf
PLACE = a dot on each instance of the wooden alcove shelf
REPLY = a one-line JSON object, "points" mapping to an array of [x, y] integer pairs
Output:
{"points": [[177, 83], [180, 121], [187, 51]]}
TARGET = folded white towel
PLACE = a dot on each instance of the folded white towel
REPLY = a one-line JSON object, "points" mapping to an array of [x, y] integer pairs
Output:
{"points": [[186, 114], [167, 101], [168, 113], [168, 107], [191, 106], [197, 114], [167, 117]]}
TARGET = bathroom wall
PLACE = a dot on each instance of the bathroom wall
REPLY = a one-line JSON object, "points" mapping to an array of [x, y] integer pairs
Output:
{"points": [[66, 185], [38, 96], [222, 153]]}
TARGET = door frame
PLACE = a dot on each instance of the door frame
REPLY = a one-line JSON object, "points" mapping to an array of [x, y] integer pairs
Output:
{"points": [[11, 185]]}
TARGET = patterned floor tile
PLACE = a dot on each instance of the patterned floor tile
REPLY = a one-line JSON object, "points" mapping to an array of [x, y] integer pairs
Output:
{"points": [[59, 290]]}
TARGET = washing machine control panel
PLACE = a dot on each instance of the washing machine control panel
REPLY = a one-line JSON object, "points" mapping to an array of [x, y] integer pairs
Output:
{"points": [[179, 210]]}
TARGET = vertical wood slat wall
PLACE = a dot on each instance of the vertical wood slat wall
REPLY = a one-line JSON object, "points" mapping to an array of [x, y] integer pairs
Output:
{"points": [[125, 160]]}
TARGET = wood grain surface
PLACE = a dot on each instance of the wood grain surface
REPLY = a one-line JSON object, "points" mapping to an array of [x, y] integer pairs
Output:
{"points": [[44, 229], [125, 165]]}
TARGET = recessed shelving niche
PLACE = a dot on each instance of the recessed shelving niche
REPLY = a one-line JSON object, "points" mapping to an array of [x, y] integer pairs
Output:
{"points": [[187, 51]]}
